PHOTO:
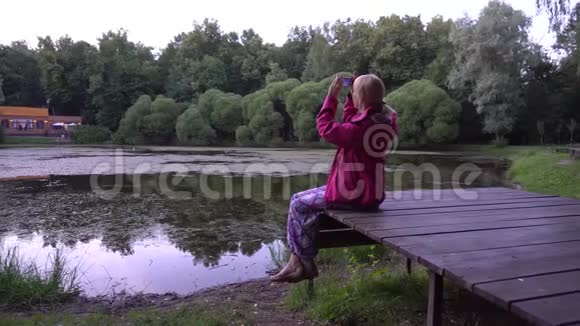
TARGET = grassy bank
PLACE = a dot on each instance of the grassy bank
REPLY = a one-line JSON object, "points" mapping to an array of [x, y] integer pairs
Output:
{"points": [[362, 286], [197, 315], [536, 168], [23, 284], [18, 140], [542, 170]]}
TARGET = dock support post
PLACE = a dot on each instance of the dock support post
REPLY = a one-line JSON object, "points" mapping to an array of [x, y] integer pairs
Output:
{"points": [[409, 266], [434, 309]]}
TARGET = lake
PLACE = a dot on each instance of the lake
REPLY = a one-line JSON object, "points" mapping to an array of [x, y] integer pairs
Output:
{"points": [[157, 220]]}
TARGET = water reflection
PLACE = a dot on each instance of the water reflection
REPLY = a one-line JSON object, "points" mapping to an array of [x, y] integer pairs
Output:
{"points": [[155, 266], [161, 232]]}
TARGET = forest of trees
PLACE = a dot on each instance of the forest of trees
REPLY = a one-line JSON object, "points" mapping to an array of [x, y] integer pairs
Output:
{"points": [[470, 80]]}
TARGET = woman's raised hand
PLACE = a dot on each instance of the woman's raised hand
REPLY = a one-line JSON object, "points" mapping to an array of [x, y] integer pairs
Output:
{"points": [[335, 86]]}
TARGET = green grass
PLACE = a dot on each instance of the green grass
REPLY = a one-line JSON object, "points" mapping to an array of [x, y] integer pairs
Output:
{"points": [[196, 315], [377, 297], [542, 170], [19, 140], [361, 286], [23, 284]]}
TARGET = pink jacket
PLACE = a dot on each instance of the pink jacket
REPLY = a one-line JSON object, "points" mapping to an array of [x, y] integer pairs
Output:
{"points": [[356, 179]]}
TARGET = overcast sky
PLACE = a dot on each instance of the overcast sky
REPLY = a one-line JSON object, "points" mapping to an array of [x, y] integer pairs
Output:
{"points": [[155, 23]]}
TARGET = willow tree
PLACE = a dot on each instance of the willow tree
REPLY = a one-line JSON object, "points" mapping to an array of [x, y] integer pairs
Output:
{"points": [[557, 11], [426, 113], [490, 56]]}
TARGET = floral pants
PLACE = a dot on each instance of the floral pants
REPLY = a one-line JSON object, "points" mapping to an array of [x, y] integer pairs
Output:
{"points": [[303, 221]]}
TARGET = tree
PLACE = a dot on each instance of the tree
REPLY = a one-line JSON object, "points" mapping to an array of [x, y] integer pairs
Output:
{"points": [[206, 58], [209, 73], [400, 49], [319, 60], [541, 131], [149, 122], [132, 122], [2, 97], [244, 136], [125, 71], [67, 67], [256, 62], [571, 128], [303, 104], [490, 55], [351, 42], [158, 127], [193, 129], [568, 38], [438, 42], [292, 55], [426, 113], [276, 74], [557, 11], [21, 75], [278, 92], [222, 111], [194, 62]]}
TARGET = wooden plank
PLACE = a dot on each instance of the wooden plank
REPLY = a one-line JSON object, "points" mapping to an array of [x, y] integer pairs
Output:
{"points": [[435, 305], [434, 195], [485, 240], [558, 310], [474, 267], [505, 292], [341, 238], [540, 202], [343, 216], [388, 220], [464, 227], [480, 190], [480, 240], [425, 204]]}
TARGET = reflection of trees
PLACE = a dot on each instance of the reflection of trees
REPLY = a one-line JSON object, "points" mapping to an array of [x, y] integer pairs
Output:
{"points": [[205, 228], [208, 228]]}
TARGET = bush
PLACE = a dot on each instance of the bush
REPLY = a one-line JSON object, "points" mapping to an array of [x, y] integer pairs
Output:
{"points": [[192, 129], [243, 136], [303, 104], [149, 122], [1, 135], [222, 111], [426, 113], [89, 134]]}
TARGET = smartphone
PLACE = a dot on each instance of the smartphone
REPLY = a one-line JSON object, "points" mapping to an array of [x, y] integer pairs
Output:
{"points": [[346, 82]]}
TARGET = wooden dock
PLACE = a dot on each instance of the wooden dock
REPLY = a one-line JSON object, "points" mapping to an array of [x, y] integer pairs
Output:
{"points": [[517, 249]]}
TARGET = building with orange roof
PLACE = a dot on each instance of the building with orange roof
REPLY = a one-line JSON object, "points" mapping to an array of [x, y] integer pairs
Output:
{"points": [[22, 121]]}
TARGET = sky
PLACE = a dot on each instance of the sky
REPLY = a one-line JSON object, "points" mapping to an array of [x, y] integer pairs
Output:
{"points": [[155, 23]]}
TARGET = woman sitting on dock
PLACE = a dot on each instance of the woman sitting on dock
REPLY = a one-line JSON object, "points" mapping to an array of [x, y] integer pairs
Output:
{"points": [[356, 179]]}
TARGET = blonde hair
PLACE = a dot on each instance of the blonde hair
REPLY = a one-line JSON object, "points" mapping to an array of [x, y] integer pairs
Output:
{"points": [[370, 88], [371, 91]]}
